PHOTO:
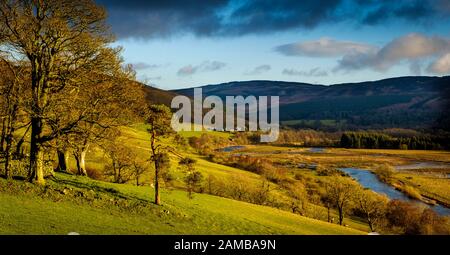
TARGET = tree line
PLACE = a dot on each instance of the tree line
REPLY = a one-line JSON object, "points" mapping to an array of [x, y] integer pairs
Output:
{"points": [[375, 140]]}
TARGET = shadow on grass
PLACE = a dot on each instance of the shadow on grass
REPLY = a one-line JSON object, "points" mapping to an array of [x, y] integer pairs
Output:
{"points": [[15, 177], [96, 188]]}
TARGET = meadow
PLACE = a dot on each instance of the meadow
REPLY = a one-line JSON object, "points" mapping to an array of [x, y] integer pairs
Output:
{"points": [[79, 204], [95, 205]]}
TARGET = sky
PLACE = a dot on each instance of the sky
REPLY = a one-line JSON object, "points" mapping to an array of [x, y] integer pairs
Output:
{"points": [[186, 43]]}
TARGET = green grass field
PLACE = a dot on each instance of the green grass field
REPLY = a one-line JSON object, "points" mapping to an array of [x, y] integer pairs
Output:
{"points": [[127, 209], [97, 207]]}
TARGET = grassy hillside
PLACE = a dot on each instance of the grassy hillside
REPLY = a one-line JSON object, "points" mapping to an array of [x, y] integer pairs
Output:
{"points": [[103, 207], [137, 139], [70, 203]]}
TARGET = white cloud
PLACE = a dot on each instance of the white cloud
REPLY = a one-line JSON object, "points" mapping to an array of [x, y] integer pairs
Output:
{"points": [[206, 66], [410, 47], [325, 47], [441, 65], [414, 49]]}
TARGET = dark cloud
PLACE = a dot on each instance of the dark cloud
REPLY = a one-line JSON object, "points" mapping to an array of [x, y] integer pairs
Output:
{"points": [[266, 15], [152, 18]]}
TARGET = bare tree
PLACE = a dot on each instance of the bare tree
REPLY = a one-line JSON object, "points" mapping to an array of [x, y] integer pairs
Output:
{"points": [[340, 192], [139, 168], [122, 160], [372, 205], [108, 102], [63, 42], [300, 197]]}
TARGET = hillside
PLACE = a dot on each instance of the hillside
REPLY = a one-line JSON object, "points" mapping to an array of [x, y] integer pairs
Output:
{"points": [[158, 96], [152, 94], [414, 102], [79, 204]]}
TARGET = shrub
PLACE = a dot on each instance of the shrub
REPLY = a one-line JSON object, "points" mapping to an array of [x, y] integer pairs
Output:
{"points": [[206, 143], [94, 174], [411, 192], [407, 218], [385, 172], [193, 182]]}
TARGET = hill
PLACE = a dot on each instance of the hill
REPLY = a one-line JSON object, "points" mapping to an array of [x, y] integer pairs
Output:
{"points": [[79, 204], [153, 95], [413, 102]]}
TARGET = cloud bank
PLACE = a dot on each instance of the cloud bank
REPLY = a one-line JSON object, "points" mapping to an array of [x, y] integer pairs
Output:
{"points": [[325, 47], [148, 19], [415, 49], [409, 48]]}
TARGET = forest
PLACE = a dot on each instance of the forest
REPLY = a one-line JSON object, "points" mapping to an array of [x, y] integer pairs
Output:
{"points": [[375, 140]]}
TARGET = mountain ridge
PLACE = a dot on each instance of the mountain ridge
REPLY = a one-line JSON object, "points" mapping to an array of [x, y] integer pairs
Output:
{"points": [[408, 101]]}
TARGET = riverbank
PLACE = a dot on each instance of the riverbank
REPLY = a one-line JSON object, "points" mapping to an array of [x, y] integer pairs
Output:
{"points": [[393, 190]]}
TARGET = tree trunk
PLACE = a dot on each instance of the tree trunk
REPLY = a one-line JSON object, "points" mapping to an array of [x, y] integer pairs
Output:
{"points": [[341, 215], [7, 172], [371, 226], [36, 170], [77, 160], [369, 221], [116, 173], [119, 174], [8, 156], [3, 137], [37, 166], [328, 212], [19, 150], [157, 198], [63, 161], [81, 163]]}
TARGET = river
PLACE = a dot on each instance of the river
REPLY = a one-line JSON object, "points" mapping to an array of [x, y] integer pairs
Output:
{"points": [[232, 148], [369, 180]]}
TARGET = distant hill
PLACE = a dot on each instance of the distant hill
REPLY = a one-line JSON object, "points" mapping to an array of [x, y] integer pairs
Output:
{"points": [[155, 95], [410, 102]]}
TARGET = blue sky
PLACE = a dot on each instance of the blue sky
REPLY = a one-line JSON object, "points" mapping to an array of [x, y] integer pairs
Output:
{"points": [[345, 49]]}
